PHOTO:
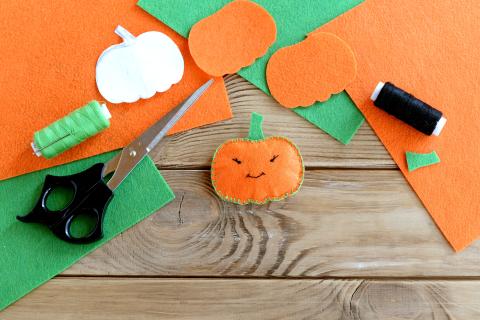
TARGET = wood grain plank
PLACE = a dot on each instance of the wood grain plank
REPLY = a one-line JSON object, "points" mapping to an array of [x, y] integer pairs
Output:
{"points": [[195, 148], [342, 223], [79, 298]]}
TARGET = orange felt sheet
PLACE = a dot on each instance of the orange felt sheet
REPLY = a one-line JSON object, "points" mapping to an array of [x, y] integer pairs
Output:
{"points": [[430, 49], [47, 69]]}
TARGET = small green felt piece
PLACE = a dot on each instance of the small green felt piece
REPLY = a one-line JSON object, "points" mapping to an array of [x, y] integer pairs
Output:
{"points": [[256, 130], [31, 255], [420, 160], [338, 116]]}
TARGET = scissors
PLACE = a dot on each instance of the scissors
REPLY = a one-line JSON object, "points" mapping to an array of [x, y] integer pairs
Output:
{"points": [[91, 192]]}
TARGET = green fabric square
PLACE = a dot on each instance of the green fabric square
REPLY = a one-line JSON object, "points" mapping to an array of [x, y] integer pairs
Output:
{"points": [[339, 116], [31, 255]]}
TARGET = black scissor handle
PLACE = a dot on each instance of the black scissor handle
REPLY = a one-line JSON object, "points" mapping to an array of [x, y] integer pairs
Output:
{"points": [[91, 196]]}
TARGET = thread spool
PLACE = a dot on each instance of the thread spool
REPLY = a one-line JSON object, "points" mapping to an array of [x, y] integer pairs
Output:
{"points": [[405, 107], [71, 130]]}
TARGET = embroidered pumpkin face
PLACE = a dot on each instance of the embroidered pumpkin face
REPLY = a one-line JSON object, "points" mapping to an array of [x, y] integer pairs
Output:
{"points": [[257, 169]]}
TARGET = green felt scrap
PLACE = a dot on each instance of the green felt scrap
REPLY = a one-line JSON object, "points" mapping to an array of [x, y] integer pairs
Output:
{"points": [[31, 255], [256, 130], [339, 116], [336, 116], [420, 160]]}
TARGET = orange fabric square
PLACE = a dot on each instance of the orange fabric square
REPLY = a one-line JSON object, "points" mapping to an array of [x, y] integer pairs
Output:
{"points": [[430, 49], [50, 49]]}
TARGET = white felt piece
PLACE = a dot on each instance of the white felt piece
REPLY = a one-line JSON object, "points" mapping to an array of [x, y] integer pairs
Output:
{"points": [[439, 127], [138, 67], [377, 90]]}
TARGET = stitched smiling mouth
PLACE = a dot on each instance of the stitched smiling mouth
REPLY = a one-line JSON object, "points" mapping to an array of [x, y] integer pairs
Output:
{"points": [[256, 177]]}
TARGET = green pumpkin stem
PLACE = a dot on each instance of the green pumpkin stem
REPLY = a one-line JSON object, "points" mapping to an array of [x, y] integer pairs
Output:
{"points": [[256, 131]]}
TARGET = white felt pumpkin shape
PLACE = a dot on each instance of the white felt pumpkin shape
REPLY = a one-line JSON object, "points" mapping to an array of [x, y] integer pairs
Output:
{"points": [[139, 67]]}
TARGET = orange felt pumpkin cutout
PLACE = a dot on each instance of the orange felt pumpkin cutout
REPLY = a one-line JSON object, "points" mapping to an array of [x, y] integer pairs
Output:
{"points": [[232, 38], [257, 169], [310, 71]]}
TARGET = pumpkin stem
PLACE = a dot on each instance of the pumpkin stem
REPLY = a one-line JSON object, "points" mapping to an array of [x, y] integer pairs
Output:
{"points": [[124, 34], [256, 131]]}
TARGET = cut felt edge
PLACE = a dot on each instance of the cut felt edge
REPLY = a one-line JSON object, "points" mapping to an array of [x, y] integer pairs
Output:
{"points": [[253, 201], [200, 48], [420, 160], [312, 70]]}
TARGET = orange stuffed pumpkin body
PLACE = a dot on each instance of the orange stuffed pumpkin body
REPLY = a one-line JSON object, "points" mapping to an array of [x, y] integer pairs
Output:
{"points": [[257, 169]]}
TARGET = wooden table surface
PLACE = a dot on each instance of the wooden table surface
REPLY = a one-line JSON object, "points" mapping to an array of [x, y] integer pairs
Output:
{"points": [[354, 243]]}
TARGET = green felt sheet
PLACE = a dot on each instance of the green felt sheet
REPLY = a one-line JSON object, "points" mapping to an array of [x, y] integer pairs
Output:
{"points": [[31, 255], [339, 116], [419, 160]]}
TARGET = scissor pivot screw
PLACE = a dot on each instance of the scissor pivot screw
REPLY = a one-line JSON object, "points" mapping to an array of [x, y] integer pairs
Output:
{"points": [[133, 153]]}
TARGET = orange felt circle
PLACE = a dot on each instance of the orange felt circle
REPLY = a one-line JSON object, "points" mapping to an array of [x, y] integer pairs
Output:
{"points": [[257, 178], [310, 71], [232, 38]]}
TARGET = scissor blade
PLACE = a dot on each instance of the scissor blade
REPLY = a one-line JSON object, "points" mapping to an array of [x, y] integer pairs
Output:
{"points": [[131, 155], [152, 136]]}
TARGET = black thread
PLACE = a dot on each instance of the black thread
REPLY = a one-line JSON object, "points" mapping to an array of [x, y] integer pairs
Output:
{"points": [[403, 106]]}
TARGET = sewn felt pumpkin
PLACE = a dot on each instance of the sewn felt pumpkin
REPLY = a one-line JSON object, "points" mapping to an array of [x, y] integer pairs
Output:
{"points": [[257, 169]]}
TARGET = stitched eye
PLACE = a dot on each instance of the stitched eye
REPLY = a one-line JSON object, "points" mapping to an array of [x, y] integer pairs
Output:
{"points": [[274, 157], [237, 161]]}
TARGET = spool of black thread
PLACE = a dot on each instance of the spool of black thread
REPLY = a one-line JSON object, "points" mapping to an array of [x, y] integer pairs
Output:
{"points": [[403, 106]]}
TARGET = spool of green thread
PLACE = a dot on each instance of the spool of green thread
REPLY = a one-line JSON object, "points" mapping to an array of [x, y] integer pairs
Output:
{"points": [[71, 130]]}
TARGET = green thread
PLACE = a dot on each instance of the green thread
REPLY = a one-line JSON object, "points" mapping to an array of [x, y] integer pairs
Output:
{"points": [[71, 130], [256, 132]]}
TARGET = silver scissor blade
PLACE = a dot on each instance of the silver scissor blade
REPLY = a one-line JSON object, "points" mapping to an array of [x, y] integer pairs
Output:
{"points": [[131, 155], [152, 136]]}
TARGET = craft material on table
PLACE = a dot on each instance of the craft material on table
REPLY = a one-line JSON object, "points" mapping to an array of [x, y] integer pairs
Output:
{"points": [[232, 38], [409, 109], [338, 117], [31, 255], [257, 169], [139, 67], [433, 54], [91, 194], [71, 130], [50, 50], [419, 160], [310, 71]]}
